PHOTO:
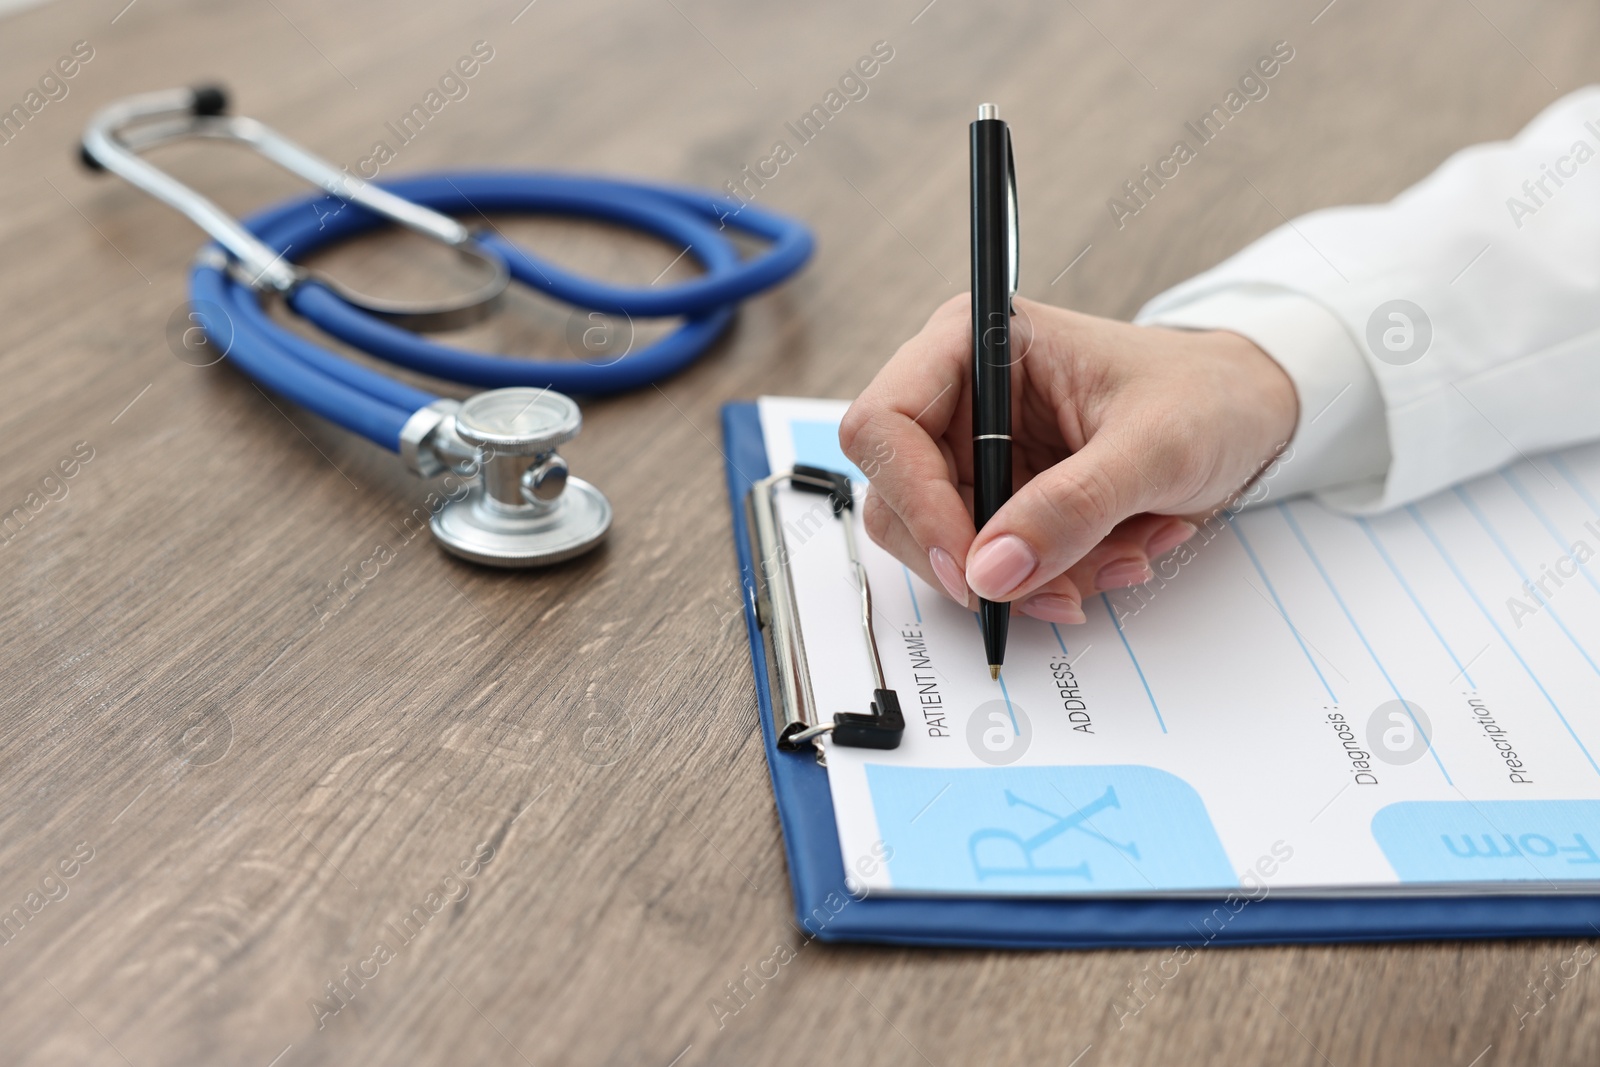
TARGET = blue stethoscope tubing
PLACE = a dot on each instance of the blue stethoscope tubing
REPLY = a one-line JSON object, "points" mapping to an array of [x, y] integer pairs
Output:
{"points": [[376, 406]]}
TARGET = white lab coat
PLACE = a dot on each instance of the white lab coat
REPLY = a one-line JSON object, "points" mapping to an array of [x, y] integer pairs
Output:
{"points": [[1499, 251]]}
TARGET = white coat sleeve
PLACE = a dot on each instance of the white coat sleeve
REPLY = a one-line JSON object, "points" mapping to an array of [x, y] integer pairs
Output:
{"points": [[1439, 336]]}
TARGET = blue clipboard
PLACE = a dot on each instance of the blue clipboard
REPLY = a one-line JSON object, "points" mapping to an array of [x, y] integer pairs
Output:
{"points": [[827, 910]]}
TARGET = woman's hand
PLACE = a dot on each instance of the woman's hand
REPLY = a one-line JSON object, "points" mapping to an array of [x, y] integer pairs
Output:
{"points": [[1118, 431]]}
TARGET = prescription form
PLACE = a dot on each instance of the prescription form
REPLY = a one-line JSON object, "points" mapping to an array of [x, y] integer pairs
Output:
{"points": [[1321, 704]]}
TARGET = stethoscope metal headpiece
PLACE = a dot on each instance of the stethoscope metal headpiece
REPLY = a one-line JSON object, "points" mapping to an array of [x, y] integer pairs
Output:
{"points": [[117, 134]]}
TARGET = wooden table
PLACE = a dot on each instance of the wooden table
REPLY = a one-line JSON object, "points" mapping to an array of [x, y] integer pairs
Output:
{"points": [[267, 774]]}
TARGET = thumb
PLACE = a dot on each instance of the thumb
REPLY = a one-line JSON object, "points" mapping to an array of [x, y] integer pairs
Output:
{"points": [[1056, 518]]}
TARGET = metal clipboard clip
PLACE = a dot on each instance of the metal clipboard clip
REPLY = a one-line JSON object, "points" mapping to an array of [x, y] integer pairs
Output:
{"points": [[794, 706]]}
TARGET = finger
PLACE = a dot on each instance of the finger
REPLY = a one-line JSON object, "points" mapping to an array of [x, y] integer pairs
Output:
{"points": [[1057, 518], [1124, 557], [1058, 600], [889, 532], [894, 429], [1055, 601]]}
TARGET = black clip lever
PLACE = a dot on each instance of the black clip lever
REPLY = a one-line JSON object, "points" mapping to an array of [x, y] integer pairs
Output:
{"points": [[886, 723]]}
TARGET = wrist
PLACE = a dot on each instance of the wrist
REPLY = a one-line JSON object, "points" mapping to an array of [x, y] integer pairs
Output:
{"points": [[1340, 433], [1264, 388]]}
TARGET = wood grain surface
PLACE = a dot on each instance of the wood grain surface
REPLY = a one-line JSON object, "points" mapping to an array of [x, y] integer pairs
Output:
{"points": [[267, 777]]}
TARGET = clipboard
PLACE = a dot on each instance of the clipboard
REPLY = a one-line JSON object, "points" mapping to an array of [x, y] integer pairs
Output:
{"points": [[827, 910]]}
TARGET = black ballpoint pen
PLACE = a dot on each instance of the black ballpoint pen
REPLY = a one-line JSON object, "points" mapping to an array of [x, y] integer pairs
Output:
{"points": [[994, 283]]}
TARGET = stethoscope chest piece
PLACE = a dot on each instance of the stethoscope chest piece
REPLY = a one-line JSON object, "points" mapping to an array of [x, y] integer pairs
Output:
{"points": [[523, 510]]}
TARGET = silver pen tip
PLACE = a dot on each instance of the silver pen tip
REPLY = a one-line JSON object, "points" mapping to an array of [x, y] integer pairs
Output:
{"points": [[988, 111]]}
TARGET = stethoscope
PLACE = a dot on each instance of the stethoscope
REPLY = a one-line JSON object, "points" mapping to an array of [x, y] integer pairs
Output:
{"points": [[522, 508]]}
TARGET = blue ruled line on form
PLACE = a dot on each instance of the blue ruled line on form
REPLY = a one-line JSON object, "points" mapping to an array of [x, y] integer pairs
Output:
{"points": [[913, 591], [1134, 659], [1461, 579], [1372, 535], [1577, 486], [1001, 678], [1233, 525], [1299, 535], [1015, 729], [1549, 609], [1515, 483]]}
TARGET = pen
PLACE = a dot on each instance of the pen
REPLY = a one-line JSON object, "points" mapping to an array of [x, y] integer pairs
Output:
{"points": [[994, 283]]}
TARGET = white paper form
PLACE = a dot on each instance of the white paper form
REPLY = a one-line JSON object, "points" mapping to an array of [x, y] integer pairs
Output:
{"points": [[1328, 705]]}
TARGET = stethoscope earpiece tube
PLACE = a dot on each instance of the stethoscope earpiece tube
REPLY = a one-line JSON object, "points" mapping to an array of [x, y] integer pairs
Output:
{"points": [[696, 221]]}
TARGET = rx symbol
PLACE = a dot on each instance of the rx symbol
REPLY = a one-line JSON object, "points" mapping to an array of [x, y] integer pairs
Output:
{"points": [[1023, 864]]}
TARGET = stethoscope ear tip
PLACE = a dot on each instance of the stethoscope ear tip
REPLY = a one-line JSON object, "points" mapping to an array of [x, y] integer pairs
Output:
{"points": [[90, 163], [210, 100]]}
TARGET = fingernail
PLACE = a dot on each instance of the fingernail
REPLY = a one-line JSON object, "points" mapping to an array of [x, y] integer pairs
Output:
{"points": [[1000, 566], [949, 572], [1123, 573], [1169, 537], [1052, 607]]}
